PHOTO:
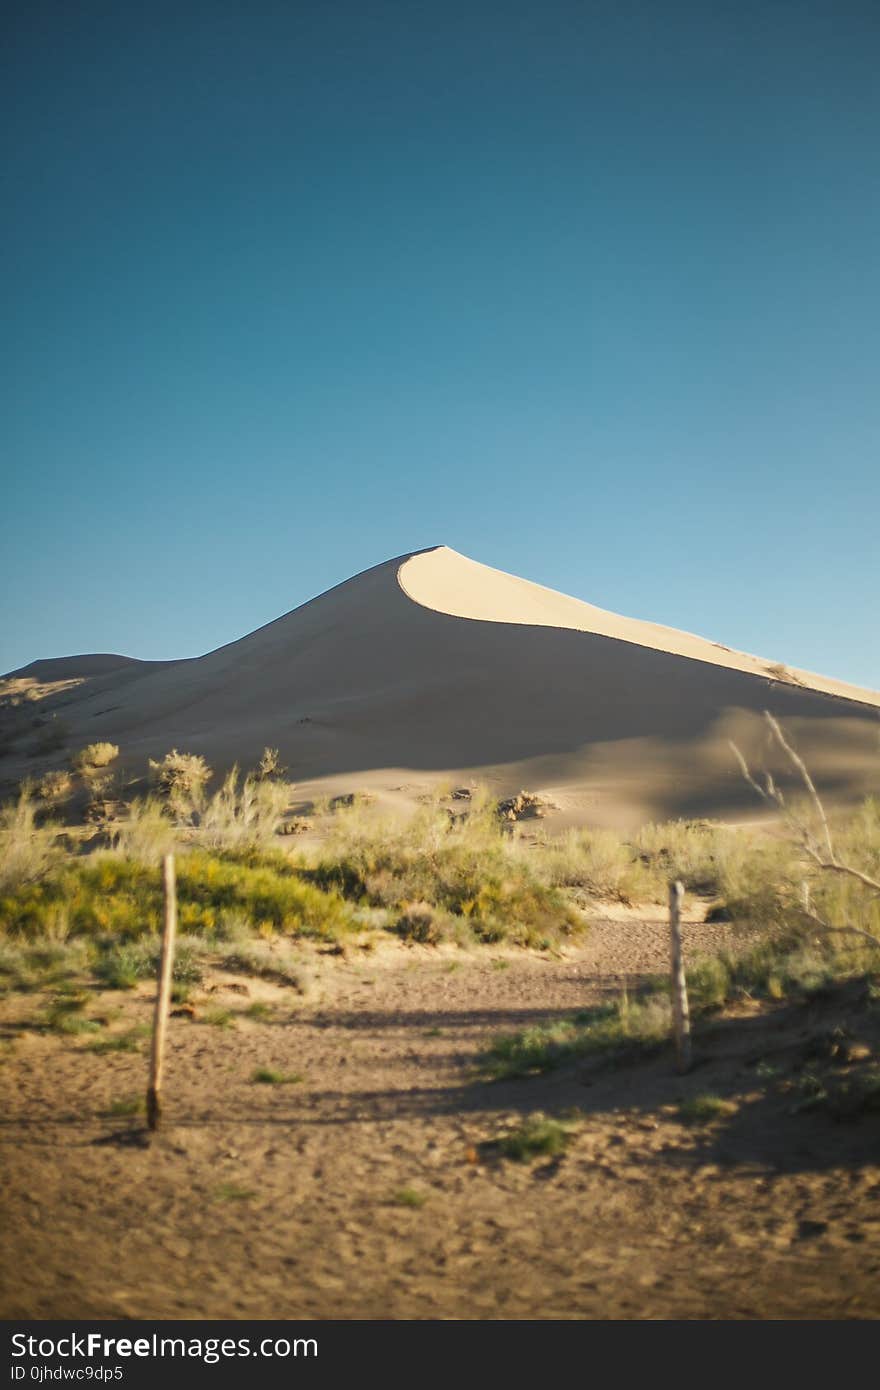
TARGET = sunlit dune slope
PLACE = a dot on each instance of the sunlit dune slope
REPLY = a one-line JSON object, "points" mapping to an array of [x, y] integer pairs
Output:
{"points": [[432, 664]]}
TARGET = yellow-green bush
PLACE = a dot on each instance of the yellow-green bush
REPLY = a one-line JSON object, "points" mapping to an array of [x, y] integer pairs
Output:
{"points": [[121, 898], [94, 755]]}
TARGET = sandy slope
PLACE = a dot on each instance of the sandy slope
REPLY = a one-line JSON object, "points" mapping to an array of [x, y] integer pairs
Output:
{"points": [[431, 665], [451, 583]]}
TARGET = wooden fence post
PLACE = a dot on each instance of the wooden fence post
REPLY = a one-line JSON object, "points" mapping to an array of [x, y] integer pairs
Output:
{"points": [[680, 1012], [163, 994]]}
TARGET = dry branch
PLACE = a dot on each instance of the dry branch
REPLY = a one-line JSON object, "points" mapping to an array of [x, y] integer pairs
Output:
{"points": [[826, 860]]}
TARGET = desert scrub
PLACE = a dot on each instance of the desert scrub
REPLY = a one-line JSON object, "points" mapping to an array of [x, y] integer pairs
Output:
{"points": [[94, 755], [433, 870], [597, 861], [146, 833], [685, 850], [759, 879], [787, 967], [246, 813], [181, 778], [122, 899], [623, 1026], [55, 787], [122, 966], [65, 1013], [27, 849], [263, 961], [270, 764], [26, 967], [790, 964]]}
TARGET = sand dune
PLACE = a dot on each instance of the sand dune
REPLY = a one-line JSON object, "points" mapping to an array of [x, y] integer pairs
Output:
{"points": [[432, 665], [451, 583]]}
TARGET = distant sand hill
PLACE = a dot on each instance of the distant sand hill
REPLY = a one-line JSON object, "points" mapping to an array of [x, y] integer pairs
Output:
{"points": [[432, 665]]}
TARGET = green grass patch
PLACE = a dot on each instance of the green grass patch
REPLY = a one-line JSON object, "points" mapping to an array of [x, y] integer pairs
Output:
{"points": [[124, 1106], [259, 1012], [131, 1041], [268, 1076], [218, 1018], [619, 1027], [538, 1136], [704, 1108], [64, 1014], [409, 1197]]}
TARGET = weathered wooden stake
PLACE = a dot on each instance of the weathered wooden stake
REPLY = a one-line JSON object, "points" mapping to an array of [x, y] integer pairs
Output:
{"points": [[680, 1012], [163, 995]]}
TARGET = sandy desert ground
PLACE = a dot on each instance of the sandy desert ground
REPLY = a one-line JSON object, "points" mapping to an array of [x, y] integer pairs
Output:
{"points": [[370, 1186]]}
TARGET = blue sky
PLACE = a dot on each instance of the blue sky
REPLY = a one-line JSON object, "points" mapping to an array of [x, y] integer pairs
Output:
{"points": [[588, 291]]}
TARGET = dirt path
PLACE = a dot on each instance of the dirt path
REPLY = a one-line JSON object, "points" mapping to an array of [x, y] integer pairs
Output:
{"points": [[363, 1189]]}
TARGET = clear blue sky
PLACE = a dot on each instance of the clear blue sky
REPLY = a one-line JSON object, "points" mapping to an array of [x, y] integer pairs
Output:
{"points": [[588, 291]]}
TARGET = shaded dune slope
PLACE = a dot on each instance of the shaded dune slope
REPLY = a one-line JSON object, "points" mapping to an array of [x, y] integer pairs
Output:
{"points": [[372, 676]]}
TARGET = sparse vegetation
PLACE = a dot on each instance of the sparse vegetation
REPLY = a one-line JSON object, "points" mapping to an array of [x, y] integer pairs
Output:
{"points": [[537, 1136], [807, 899], [181, 778], [270, 1076], [27, 849], [703, 1108], [445, 880], [232, 1192], [131, 1041], [146, 833], [218, 1018], [55, 787], [94, 755], [122, 898], [410, 1197], [124, 1106], [246, 815], [619, 1027], [270, 764]]}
